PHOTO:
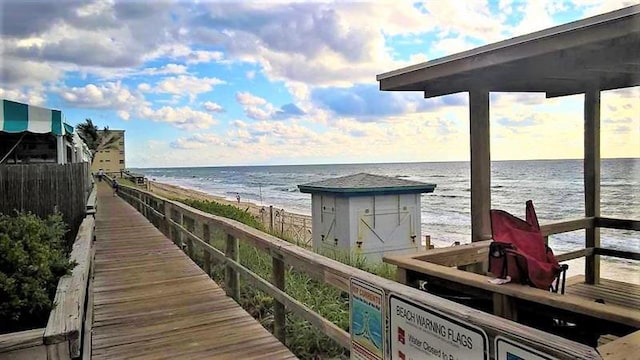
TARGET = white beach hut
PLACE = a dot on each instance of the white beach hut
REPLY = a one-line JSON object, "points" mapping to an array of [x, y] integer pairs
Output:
{"points": [[367, 215]]}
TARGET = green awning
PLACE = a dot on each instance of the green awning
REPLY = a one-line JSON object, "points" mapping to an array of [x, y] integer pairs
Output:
{"points": [[17, 117]]}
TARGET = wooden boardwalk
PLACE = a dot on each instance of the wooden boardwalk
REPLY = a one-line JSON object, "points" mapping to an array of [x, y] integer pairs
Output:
{"points": [[150, 301]]}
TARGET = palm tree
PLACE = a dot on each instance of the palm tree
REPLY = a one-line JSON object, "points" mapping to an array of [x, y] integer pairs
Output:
{"points": [[96, 139]]}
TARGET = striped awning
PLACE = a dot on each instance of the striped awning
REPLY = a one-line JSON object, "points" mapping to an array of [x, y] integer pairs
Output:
{"points": [[17, 117]]}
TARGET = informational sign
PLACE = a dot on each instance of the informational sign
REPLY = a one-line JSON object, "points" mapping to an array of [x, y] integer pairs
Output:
{"points": [[367, 321], [421, 333], [507, 349]]}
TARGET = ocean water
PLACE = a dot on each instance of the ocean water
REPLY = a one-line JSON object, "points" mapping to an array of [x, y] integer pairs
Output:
{"points": [[555, 186]]}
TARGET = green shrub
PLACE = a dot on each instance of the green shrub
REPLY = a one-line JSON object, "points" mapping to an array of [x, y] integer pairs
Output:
{"points": [[32, 259], [228, 211]]}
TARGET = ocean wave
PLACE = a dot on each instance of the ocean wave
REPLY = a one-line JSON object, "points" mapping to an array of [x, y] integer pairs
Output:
{"points": [[287, 189]]}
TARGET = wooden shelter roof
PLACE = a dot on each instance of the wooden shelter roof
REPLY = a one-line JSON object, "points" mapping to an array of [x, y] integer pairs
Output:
{"points": [[367, 184], [599, 53]]}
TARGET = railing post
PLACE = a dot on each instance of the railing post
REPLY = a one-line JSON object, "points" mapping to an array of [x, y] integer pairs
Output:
{"points": [[145, 204], [180, 237], [282, 219], [189, 241], [271, 218], [164, 222], [279, 313], [231, 277], [206, 237]]}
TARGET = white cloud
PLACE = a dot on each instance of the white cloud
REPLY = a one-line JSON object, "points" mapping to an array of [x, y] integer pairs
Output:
{"points": [[255, 107], [213, 107], [198, 141], [109, 95], [182, 117], [16, 72], [246, 98], [123, 114], [594, 7], [168, 69], [201, 56], [187, 84], [452, 45], [31, 95]]}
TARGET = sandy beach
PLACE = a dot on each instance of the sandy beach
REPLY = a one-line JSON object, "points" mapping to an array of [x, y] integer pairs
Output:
{"points": [[295, 227], [173, 191]]}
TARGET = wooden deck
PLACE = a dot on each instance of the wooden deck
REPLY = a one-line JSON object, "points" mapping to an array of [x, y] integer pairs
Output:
{"points": [[610, 291], [150, 301]]}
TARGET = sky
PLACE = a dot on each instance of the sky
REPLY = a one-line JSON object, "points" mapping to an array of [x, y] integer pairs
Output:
{"points": [[216, 83]]}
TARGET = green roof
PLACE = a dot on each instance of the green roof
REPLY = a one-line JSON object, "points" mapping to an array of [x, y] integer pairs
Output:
{"points": [[367, 184]]}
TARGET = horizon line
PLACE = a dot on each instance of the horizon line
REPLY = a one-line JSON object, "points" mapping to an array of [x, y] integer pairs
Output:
{"points": [[374, 163]]}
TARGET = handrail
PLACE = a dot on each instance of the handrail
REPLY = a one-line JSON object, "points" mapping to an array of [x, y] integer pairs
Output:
{"points": [[622, 224], [20, 340], [64, 328], [568, 225], [335, 274]]}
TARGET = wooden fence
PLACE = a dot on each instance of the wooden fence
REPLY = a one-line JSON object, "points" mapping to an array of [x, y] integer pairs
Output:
{"points": [[194, 230], [43, 189], [291, 226]]}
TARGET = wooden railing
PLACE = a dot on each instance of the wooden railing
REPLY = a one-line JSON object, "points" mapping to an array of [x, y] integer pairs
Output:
{"points": [[591, 252], [192, 229], [477, 252], [63, 334]]}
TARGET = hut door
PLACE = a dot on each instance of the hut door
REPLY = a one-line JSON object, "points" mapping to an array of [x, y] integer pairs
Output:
{"points": [[385, 229], [328, 221]]}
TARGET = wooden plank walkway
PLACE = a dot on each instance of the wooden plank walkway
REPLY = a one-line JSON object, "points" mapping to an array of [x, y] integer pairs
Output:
{"points": [[150, 301]]}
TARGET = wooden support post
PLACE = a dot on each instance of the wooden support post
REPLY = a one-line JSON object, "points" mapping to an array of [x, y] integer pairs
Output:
{"points": [[480, 165], [407, 277], [505, 306], [480, 169], [279, 318], [206, 236], [231, 277], [592, 180]]}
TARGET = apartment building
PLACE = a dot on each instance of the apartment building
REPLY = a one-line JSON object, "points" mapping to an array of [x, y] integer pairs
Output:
{"points": [[111, 160]]}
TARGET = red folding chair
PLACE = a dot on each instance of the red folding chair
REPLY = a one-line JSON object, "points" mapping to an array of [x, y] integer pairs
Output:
{"points": [[519, 251]]}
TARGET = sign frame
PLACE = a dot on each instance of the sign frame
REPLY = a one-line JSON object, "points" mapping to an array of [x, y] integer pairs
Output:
{"points": [[456, 321], [361, 347], [525, 352]]}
